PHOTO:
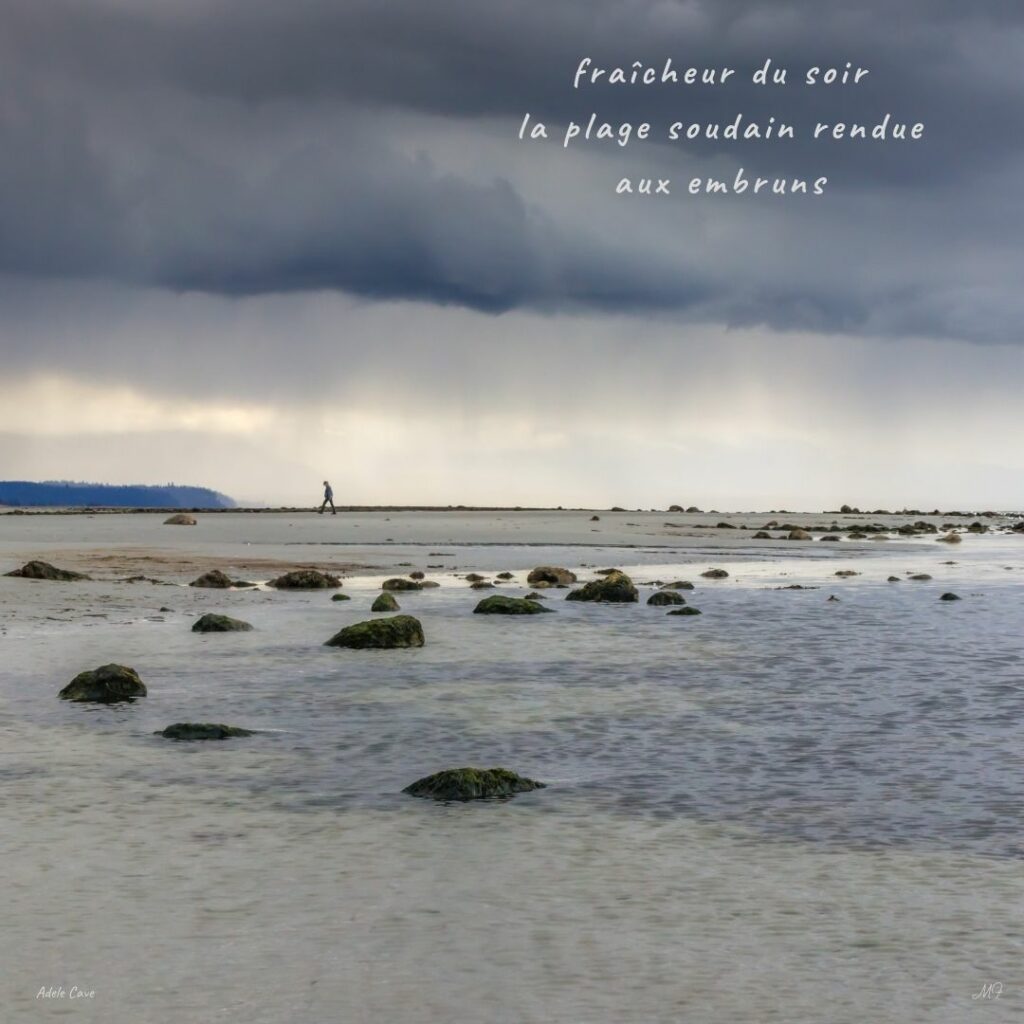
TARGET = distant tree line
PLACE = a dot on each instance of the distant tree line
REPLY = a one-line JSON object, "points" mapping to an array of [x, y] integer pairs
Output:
{"points": [[64, 493]]}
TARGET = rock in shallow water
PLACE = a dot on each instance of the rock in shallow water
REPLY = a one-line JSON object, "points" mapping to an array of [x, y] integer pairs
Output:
{"points": [[201, 731], [401, 584], [689, 610], [380, 634], [499, 604], [180, 519], [44, 571], [950, 597], [615, 588], [107, 684], [213, 580], [385, 603], [666, 597], [715, 574], [211, 623], [551, 574], [472, 784], [305, 579]]}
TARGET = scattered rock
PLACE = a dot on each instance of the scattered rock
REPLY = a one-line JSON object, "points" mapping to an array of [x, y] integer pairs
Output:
{"points": [[499, 604], [474, 577], [762, 535], [385, 603], [340, 597], [595, 519], [951, 538], [688, 610], [213, 580], [678, 585], [715, 574], [847, 572], [305, 579], [220, 624], [105, 685], [180, 519], [615, 588], [605, 572], [417, 575], [894, 579], [429, 584], [950, 597], [550, 574], [472, 784], [833, 598], [481, 585], [534, 597], [922, 576], [505, 576], [666, 597], [399, 584], [830, 537], [380, 634], [44, 571], [798, 534], [201, 731]]}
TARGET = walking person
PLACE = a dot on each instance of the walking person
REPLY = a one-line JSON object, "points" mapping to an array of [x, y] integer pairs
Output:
{"points": [[328, 499]]}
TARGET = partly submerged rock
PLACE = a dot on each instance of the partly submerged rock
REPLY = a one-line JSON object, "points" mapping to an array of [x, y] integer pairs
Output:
{"points": [[340, 597], [535, 597], [715, 574], [481, 585], [615, 588], [107, 684], [762, 535], [399, 584], [847, 572], [305, 579], [951, 538], [500, 604], [688, 610], [36, 570], [417, 575], [385, 603], [211, 623], [472, 784], [213, 580], [921, 576], [505, 576], [666, 597], [380, 634], [678, 585], [474, 577], [201, 731], [550, 574], [180, 519], [951, 597], [798, 534]]}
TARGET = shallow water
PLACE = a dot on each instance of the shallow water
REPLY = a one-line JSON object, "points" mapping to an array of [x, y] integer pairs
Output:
{"points": [[785, 809]]}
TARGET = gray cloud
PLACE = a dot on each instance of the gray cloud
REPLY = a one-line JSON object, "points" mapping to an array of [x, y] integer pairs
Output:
{"points": [[247, 148]]}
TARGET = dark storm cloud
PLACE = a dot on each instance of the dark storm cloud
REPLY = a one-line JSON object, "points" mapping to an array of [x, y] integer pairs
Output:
{"points": [[242, 147]]}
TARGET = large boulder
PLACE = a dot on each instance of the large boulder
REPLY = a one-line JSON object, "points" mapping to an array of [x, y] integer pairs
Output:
{"points": [[180, 519], [550, 574], [401, 584], [380, 634], [615, 588], [107, 684], [44, 571], [305, 579], [472, 784], [385, 603], [666, 597], [213, 580], [211, 623], [201, 731], [499, 604]]}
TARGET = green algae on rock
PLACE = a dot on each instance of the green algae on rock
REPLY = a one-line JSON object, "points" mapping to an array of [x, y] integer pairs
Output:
{"points": [[472, 784], [201, 731], [385, 603], [211, 623], [305, 579], [500, 604], [340, 597], [380, 634], [107, 684], [36, 570], [401, 584], [615, 588]]}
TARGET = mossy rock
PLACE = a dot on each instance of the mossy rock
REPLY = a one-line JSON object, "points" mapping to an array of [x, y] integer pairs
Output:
{"points": [[688, 610], [213, 580], [499, 604], [380, 634], [666, 597], [715, 574], [340, 597], [401, 584], [44, 571], [107, 684], [615, 588], [551, 575], [211, 623], [181, 519], [201, 731], [472, 784], [305, 579], [385, 603]]}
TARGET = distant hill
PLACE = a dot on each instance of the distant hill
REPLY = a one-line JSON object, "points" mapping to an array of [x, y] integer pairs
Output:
{"points": [[61, 493]]}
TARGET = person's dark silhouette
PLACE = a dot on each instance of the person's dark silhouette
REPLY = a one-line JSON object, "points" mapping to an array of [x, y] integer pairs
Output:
{"points": [[328, 499]]}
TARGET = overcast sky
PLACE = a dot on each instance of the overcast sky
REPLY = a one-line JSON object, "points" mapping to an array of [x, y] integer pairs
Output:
{"points": [[250, 244]]}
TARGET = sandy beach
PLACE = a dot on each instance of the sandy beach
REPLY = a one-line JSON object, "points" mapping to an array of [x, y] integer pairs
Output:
{"points": [[783, 790]]}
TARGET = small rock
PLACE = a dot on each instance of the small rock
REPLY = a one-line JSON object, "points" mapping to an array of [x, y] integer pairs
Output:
{"points": [[201, 731], [44, 571], [472, 784], [922, 576], [399, 584], [499, 604], [474, 577], [220, 624], [762, 535], [105, 685], [688, 610], [385, 603], [950, 597], [380, 634], [180, 519], [847, 572], [213, 580], [666, 597], [505, 576], [798, 534], [951, 538], [715, 574], [552, 575], [534, 597], [340, 597], [417, 575], [678, 585], [894, 579]]}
